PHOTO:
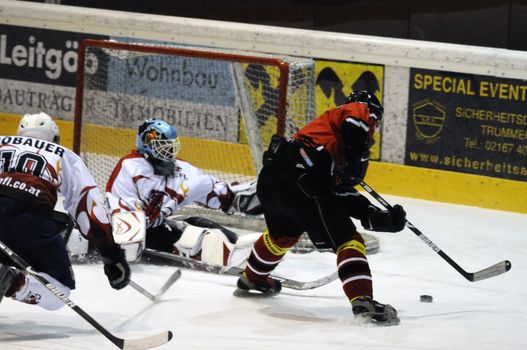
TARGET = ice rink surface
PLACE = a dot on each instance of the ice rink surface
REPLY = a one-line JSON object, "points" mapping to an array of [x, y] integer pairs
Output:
{"points": [[203, 314]]}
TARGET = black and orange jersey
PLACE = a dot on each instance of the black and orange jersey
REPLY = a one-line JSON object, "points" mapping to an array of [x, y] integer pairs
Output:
{"points": [[345, 132]]}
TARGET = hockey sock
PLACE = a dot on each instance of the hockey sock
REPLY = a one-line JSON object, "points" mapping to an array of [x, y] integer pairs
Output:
{"points": [[353, 268], [266, 254]]}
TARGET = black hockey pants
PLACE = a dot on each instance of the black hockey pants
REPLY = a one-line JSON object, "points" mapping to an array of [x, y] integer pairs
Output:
{"points": [[297, 201], [34, 236]]}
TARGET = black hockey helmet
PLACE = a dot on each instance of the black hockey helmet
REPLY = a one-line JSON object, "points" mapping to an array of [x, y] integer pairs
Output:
{"points": [[374, 105]]}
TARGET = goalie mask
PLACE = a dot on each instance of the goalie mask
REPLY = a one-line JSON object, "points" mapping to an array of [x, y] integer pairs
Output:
{"points": [[158, 139], [40, 126], [374, 105]]}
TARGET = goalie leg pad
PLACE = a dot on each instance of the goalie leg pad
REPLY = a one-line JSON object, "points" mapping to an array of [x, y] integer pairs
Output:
{"points": [[216, 248], [190, 243], [241, 251], [247, 240]]}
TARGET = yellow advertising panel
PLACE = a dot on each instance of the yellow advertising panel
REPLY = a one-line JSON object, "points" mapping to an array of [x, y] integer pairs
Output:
{"points": [[335, 80]]}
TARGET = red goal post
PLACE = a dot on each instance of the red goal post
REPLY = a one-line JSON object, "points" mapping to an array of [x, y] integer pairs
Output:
{"points": [[225, 104]]}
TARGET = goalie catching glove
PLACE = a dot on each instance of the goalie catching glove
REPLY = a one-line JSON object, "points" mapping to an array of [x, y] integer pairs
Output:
{"points": [[245, 200]]}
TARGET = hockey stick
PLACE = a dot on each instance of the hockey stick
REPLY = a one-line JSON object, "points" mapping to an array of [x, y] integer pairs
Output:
{"points": [[127, 344], [173, 278], [236, 271], [491, 271], [142, 290], [155, 298]]}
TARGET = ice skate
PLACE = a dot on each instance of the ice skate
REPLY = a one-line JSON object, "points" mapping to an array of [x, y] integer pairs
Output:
{"points": [[367, 310], [264, 288]]}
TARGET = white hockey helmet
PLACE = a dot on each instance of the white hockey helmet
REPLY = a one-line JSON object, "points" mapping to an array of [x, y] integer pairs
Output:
{"points": [[40, 126]]}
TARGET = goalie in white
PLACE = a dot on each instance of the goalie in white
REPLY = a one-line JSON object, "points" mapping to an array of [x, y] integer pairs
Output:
{"points": [[150, 180]]}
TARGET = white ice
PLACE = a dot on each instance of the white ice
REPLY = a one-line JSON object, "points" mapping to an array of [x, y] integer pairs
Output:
{"points": [[203, 314]]}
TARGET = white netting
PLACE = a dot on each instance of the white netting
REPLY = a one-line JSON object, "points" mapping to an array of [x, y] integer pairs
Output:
{"points": [[224, 104]]}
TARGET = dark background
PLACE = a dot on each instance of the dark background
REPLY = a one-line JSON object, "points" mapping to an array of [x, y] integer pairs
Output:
{"points": [[491, 23]]}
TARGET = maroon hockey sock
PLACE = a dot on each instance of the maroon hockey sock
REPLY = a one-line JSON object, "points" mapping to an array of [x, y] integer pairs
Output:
{"points": [[353, 268], [266, 255]]}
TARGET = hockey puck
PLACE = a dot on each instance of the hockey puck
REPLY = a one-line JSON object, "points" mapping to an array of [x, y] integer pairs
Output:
{"points": [[426, 298]]}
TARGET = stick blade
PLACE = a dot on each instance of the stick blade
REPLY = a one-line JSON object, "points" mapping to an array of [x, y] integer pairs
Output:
{"points": [[298, 285], [147, 342], [492, 271], [142, 290], [171, 280]]}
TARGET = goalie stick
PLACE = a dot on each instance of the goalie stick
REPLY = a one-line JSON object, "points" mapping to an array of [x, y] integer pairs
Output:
{"points": [[491, 271], [155, 298], [127, 344], [236, 271]]}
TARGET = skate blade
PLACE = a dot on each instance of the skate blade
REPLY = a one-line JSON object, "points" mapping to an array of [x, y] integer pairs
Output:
{"points": [[394, 321], [366, 319]]}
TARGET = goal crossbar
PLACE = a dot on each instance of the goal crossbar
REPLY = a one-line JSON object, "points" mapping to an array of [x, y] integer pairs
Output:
{"points": [[167, 50]]}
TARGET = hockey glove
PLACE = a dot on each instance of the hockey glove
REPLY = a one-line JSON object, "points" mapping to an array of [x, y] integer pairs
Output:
{"points": [[398, 216], [117, 269], [384, 220], [153, 208], [245, 199]]}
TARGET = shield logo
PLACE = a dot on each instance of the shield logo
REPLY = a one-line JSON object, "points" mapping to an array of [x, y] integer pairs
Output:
{"points": [[429, 118]]}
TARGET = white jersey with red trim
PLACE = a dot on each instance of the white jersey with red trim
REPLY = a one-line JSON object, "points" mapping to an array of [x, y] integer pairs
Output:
{"points": [[33, 171], [133, 185]]}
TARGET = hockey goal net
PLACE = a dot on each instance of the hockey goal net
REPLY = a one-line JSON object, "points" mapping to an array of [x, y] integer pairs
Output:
{"points": [[225, 105]]}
